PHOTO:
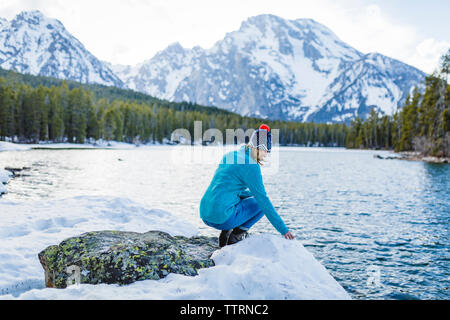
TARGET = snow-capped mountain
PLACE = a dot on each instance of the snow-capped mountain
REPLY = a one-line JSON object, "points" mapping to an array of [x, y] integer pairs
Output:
{"points": [[373, 80], [279, 69], [271, 68], [32, 43]]}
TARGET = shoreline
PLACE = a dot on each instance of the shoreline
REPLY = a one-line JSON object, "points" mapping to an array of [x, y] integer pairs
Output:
{"points": [[413, 156], [103, 145], [100, 144], [416, 156]]}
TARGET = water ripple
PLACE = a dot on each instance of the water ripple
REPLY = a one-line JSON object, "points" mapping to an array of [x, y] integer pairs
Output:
{"points": [[380, 227]]}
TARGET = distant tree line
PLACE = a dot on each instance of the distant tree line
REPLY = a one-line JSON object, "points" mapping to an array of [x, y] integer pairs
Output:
{"points": [[35, 108], [63, 111], [422, 124]]}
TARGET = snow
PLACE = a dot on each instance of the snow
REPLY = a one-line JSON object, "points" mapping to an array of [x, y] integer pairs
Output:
{"points": [[308, 80], [29, 227], [263, 266], [8, 146], [173, 80], [99, 144], [329, 44], [343, 117], [4, 178], [380, 97]]}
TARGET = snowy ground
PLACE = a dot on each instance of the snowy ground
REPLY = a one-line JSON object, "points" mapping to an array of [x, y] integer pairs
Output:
{"points": [[4, 178], [8, 146], [262, 266]]}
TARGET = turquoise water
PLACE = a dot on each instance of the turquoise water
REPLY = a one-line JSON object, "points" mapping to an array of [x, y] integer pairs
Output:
{"points": [[365, 218], [381, 227]]}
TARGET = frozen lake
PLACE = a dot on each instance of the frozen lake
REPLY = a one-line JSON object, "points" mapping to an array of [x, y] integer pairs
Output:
{"points": [[380, 227]]}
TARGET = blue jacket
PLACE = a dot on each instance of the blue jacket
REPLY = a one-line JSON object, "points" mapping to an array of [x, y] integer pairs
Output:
{"points": [[238, 175]]}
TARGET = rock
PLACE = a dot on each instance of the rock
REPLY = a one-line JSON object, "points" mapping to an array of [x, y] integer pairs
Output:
{"points": [[416, 156], [13, 169], [16, 171], [124, 257], [377, 156]]}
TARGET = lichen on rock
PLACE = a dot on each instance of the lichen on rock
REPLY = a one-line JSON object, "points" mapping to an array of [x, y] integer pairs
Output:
{"points": [[125, 257]]}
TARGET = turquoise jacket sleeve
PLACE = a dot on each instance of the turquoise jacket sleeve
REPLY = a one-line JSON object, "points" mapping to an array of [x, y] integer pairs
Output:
{"points": [[253, 179], [245, 194]]}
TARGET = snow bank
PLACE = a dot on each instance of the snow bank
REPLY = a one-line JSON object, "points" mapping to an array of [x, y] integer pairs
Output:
{"points": [[29, 227], [63, 146], [8, 146], [260, 267], [98, 144], [4, 178]]}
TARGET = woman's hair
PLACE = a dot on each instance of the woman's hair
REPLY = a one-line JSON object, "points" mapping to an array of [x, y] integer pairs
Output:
{"points": [[258, 159]]}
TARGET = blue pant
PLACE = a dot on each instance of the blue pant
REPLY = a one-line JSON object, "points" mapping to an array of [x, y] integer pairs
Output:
{"points": [[246, 213]]}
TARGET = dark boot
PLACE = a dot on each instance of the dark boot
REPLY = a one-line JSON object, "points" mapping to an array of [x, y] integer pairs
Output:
{"points": [[223, 238], [237, 235]]}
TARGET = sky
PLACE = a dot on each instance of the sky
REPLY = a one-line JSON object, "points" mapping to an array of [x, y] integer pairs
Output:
{"points": [[129, 32]]}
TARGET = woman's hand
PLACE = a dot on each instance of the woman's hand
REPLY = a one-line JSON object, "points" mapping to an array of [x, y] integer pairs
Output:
{"points": [[289, 236]]}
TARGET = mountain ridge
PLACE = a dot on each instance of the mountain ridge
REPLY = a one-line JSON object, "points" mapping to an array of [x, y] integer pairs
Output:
{"points": [[270, 67], [281, 69], [35, 44]]}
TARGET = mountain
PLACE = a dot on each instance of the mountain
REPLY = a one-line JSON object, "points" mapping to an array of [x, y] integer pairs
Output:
{"points": [[278, 69], [270, 68], [34, 44]]}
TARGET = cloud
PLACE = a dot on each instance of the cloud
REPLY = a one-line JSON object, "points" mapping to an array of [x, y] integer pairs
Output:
{"points": [[428, 53], [131, 31], [369, 29]]}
